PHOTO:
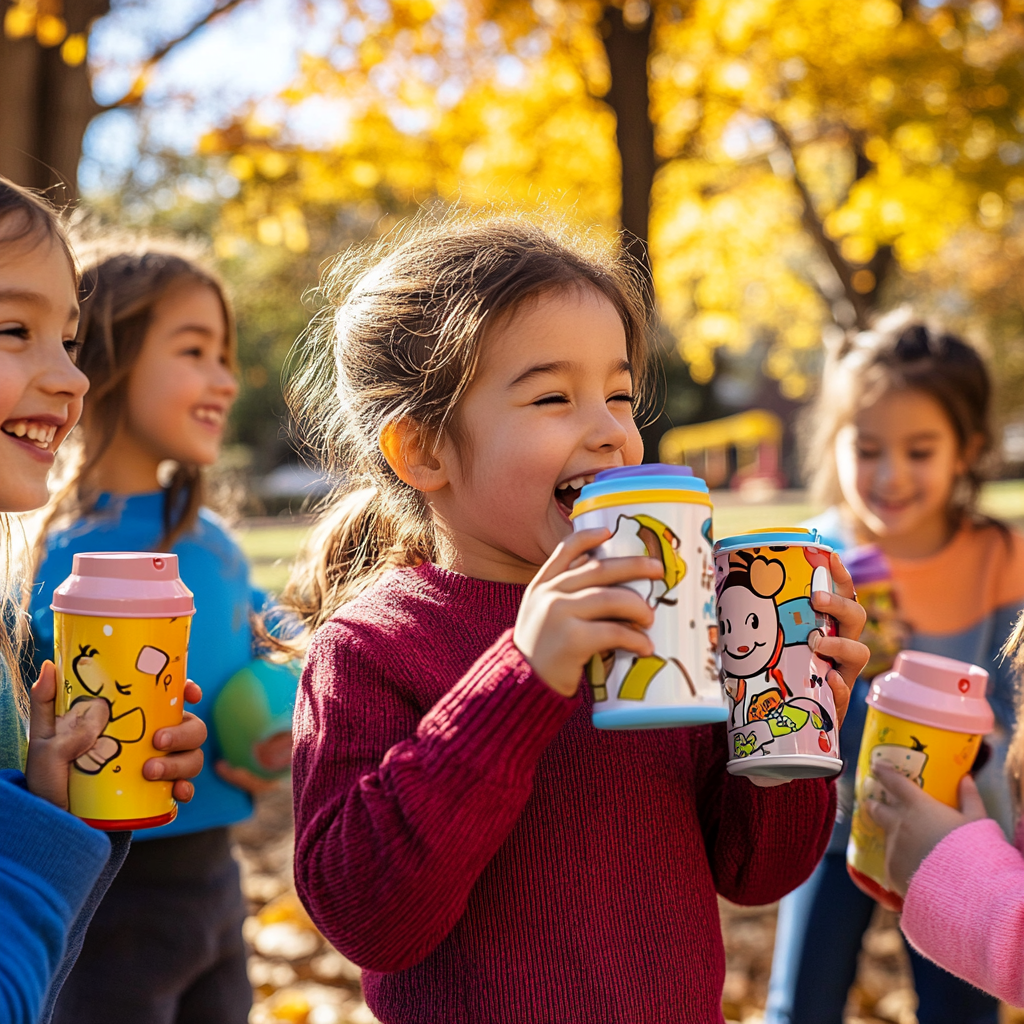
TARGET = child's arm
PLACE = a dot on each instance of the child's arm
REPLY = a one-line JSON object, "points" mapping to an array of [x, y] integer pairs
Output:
{"points": [[49, 863], [964, 883], [396, 818]]}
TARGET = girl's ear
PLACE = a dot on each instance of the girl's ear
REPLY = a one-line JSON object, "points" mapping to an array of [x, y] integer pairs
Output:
{"points": [[409, 451], [971, 452]]}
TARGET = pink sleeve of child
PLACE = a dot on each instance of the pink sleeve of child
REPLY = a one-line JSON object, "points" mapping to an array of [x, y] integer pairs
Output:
{"points": [[965, 908], [396, 815]]}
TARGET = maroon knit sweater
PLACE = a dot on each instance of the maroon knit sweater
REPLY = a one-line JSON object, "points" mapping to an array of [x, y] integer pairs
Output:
{"points": [[466, 836]]}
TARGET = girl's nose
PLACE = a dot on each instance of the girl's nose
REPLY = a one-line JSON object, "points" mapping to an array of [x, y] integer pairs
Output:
{"points": [[61, 377], [607, 433]]}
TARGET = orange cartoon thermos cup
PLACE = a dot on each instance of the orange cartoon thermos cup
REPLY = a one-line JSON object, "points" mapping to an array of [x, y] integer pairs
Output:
{"points": [[781, 712], [926, 718], [121, 626], [663, 512]]}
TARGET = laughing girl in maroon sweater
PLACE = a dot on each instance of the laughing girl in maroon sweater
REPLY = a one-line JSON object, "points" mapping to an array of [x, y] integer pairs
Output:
{"points": [[462, 832]]}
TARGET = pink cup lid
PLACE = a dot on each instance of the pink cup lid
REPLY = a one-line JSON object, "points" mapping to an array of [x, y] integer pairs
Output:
{"points": [[936, 691], [124, 585]]}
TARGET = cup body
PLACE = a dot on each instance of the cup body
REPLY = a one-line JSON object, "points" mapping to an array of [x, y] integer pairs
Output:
{"points": [[668, 517], [926, 718], [936, 759], [781, 712], [132, 667]]}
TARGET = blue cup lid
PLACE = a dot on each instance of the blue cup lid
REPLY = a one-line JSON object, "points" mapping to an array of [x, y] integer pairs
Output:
{"points": [[627, 484], [783, 536]]}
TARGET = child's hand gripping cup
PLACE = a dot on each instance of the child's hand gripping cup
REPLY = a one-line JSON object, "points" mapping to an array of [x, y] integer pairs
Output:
{"points": [[781, 711], [121, 628], [663, 512], [926, 718]]}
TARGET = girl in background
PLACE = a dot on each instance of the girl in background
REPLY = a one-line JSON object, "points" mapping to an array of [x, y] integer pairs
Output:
{"points": [[54, 868], [463, 832], [159, 349], [902, 426]]}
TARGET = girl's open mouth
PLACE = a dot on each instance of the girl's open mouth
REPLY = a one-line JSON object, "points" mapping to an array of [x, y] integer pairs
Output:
{"points": [[32, 432], [569, 490]]}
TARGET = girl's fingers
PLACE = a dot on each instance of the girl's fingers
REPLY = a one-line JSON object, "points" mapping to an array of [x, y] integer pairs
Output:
{"points": [[186, 765], [189, 735], [245, 779], [568, 551], [971, 804], [840, 695], [42, 717], [611, 603], [850, 616], [841, 578], [610, 636], [609, 572], [899, 790], [848, 656], [183, 791], [193, 694], [884, 816]]}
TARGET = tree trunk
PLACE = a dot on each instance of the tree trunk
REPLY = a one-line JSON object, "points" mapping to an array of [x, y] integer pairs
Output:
{"points": [[627, 47], [45, 106]]}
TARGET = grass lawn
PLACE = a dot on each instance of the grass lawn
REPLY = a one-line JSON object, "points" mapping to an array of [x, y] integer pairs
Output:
{"points": [[271, 545]]}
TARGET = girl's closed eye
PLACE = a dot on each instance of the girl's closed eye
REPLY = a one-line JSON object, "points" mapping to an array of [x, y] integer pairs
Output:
{"points": [[14, 330], [552, 400]]}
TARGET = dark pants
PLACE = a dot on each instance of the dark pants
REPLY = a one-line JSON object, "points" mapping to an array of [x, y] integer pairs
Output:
{"points": [[816, 959], [165, 945]]}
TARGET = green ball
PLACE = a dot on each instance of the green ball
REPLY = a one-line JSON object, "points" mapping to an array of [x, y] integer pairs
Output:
{"points": [[256, 704]]}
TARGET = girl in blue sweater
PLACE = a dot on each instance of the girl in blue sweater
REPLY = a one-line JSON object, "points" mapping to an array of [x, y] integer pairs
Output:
{"points": [[159, 352], [53, 867]]}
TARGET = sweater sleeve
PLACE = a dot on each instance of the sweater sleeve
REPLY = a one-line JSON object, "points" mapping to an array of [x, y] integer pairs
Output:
{"points": [[49, 864], [965, 908], [761, 842], [397, 816]]}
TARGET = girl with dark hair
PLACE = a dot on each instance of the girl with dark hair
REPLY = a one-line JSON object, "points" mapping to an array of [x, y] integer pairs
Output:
{"points": [[158, 348], [463, 832], [900, 433], [54, 869]]}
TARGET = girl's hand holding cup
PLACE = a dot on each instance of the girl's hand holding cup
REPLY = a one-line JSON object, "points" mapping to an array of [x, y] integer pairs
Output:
{"points": [[844, 650], [915, 822], [575, 607], [56, 742]]}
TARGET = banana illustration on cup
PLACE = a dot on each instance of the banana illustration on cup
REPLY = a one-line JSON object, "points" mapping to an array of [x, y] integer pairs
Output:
{"points": [[663, 544]]}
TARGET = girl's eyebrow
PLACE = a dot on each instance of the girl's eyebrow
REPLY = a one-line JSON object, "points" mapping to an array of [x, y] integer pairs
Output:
{"points": [[35, 299], [561, 366], [193, 329]]}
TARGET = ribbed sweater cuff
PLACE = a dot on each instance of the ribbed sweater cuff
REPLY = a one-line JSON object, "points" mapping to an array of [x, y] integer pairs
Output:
{"points": [[499, 717], [48, 843]]}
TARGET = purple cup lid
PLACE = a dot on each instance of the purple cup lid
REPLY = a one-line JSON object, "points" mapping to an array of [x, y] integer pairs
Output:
{"points": [[124, 585], [936, 691], [651, 469], [867, 564]]}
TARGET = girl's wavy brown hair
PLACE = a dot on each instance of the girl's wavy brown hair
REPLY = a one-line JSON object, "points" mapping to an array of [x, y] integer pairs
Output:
{"points": [[400, 337], [26, 221], [118, 295]]}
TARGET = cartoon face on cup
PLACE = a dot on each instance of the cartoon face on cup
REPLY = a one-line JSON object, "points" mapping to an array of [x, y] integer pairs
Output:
{"points": [[749, 630]]}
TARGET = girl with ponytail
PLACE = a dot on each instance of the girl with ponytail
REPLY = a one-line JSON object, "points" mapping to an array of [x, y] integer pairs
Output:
{"points": [[463, 833]]}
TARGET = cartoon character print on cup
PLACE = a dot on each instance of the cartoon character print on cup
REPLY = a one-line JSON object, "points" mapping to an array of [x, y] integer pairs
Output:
{"points": [[909, 761], [661, 543], [102, 692], [754, 631]]}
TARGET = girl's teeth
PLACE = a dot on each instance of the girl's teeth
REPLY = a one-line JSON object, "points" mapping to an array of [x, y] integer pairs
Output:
{"points": [[39, 433]]}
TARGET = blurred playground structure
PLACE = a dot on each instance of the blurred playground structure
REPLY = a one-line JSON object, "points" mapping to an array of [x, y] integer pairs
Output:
{"points": [[741, 451]]}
